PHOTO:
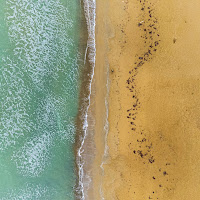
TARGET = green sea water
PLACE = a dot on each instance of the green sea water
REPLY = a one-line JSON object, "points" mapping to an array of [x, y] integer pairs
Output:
{"points": [[40, 65]]}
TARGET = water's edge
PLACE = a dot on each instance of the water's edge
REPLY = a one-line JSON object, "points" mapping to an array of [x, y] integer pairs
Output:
{"points": [[85, 96]]}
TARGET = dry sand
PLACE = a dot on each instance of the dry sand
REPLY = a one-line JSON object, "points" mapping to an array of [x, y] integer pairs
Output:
{"points": [[152, 50]]}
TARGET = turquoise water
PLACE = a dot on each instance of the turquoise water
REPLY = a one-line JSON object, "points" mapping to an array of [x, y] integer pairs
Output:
{"points": [[39, 91]]}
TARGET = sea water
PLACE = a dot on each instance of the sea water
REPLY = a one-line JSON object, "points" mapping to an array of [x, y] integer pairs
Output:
{"points": [[40, 67]]}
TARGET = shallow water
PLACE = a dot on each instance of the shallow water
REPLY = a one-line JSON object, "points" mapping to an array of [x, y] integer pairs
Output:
{"points": [[40, 65]]}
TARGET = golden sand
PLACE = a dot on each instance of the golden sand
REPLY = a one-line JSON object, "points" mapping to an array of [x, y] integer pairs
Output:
{"points": [[152, 50]]}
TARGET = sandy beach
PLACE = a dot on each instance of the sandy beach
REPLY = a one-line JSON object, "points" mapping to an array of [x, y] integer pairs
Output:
{"points": [[152, 51]]}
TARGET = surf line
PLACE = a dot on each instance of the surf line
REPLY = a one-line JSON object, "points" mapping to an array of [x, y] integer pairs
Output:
{"points": [[90, 15]]}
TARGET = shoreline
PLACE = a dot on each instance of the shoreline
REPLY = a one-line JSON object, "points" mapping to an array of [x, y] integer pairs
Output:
{"points": [[94, 141], [83, 144]]}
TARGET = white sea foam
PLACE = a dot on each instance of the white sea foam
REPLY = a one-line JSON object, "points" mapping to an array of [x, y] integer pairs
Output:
{"points": [[14, 95], [33, 158], [39, 36], [28, 191], [39, 31], [38, 84], [90, 15]]}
